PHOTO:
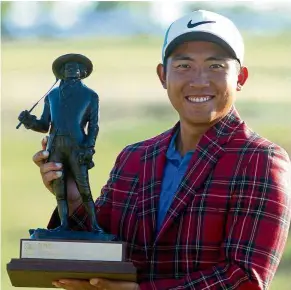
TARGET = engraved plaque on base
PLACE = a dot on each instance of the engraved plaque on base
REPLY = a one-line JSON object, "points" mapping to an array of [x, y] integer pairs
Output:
{"points": [[44, 261]]}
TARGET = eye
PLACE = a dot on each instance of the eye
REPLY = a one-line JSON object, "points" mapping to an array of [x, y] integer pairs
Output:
{"points": [[183, 65], [216, 66]]}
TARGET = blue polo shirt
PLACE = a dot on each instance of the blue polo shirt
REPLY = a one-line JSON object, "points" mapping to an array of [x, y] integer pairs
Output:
{"points": [[175, 169]]}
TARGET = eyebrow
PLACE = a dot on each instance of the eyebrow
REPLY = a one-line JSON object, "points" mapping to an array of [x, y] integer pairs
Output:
{"points": [[182, 57], [220, 57], [211, 58]]}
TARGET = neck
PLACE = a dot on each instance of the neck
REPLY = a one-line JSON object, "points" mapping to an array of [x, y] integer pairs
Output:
{"points": [[69, 82], [190, 136], [66, 80]]}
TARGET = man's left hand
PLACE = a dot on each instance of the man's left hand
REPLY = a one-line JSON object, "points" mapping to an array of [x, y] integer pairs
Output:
{"points": [[94, 284]]}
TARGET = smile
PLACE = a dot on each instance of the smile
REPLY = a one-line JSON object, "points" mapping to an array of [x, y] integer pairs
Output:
{"points": [[199, 99]]}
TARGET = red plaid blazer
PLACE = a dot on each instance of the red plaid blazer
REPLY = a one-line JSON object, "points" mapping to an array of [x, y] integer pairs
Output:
{"points": [[229, 219]]}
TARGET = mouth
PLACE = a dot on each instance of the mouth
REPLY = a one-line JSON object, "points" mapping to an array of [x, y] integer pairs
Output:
{"points": [[199, 99]]}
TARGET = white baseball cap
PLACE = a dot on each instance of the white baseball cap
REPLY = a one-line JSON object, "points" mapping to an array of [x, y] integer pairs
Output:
{"points": [[204, 26]]}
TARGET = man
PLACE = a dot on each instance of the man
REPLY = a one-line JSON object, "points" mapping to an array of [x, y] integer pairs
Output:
{"points": [[205, 205], [68, 109]]}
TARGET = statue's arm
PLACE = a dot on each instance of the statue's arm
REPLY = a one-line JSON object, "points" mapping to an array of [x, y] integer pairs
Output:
{"points": [[93, 126], [42, 125]]}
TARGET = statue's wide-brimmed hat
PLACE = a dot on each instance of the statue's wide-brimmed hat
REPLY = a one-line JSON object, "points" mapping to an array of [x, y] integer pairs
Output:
{"points": [[72, 57]]}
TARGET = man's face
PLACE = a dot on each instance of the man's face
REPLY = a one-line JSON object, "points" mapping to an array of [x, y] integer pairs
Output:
{"points": [[201, 80], [71, 70]]}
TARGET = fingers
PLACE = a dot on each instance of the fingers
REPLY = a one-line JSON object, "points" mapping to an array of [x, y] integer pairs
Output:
{"points": [[44, 142], [24, 115], [73, 284], [50, 167], [113, 284], [49, 172], [40, 157], [66, 287], [21, 116], [57, 284], [49, 177], [95, 283]]}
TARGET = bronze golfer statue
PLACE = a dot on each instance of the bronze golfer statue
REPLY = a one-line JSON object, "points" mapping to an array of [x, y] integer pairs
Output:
{"points": [[70, 115], [68, 109]]}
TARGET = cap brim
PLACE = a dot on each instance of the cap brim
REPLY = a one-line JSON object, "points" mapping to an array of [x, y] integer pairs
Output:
{"points": [[198, 36], [71, 57]]}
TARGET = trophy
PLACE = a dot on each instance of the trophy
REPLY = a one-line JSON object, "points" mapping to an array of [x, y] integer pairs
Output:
{"points": [[53, 254]]}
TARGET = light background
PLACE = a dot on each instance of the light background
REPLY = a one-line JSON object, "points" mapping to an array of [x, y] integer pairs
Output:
{"points": [[133, 104]]}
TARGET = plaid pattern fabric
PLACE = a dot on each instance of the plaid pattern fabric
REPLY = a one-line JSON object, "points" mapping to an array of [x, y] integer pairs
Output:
{"points": [[228, 223]]}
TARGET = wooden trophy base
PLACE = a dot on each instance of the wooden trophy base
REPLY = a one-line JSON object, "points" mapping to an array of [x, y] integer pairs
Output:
{"points": [[40, 273]]}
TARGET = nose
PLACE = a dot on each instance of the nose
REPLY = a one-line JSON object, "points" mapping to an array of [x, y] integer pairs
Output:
{"points": [[199, 80]]}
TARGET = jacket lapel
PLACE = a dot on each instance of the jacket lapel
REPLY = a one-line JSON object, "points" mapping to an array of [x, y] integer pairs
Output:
{"points": [[152, 169], [206, 155]]}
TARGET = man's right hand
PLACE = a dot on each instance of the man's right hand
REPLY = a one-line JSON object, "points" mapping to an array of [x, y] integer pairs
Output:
{"points": [[50, 171]]}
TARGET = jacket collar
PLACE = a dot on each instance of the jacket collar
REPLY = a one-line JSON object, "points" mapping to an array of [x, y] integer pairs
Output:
{"points": [[220, 133], [207, 153]]}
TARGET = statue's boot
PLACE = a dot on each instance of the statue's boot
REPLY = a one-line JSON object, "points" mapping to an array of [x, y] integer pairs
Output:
{"points": [[90, 208], [63, 214]]}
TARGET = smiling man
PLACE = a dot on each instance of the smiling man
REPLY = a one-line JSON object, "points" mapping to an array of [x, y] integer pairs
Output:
{"points": [[206, 204]]}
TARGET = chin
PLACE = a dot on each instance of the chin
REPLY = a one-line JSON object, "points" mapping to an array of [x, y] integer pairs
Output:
{"points": [[206, 119], [201, 122], [200, 119]]}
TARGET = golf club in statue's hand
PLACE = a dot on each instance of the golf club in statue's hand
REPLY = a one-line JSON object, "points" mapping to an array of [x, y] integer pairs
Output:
{"points": [[23, 117], [26, 119]]}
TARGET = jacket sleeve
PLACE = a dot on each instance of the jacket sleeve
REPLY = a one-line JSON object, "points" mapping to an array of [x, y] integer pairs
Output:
{"points": [[79, 220], [42, 125], [93, 126], [256, 230]]}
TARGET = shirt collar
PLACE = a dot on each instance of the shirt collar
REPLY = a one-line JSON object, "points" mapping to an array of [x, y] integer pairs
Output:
{"points": [[172, 152]]}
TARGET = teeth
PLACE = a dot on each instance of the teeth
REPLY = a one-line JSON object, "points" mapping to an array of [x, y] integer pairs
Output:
{"points": [[199, 99]]}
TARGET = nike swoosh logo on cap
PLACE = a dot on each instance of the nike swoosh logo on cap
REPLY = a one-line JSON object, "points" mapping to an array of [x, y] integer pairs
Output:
{"points": [[192, 25]]}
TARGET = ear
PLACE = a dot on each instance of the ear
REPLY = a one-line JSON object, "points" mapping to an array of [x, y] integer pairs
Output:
{"points": [[242, 77], [162, 75]]}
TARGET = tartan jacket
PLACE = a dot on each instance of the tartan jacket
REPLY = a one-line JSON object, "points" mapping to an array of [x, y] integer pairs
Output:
{"points": [[229, 219]]}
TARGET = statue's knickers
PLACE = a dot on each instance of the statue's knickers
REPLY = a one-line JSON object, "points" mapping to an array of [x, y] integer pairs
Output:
{"points": [[65, 151], [90, 208], [59, 188]]}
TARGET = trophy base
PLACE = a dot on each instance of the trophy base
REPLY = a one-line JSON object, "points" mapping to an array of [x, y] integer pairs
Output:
{"points": [[40, 273], [44, 234]]}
